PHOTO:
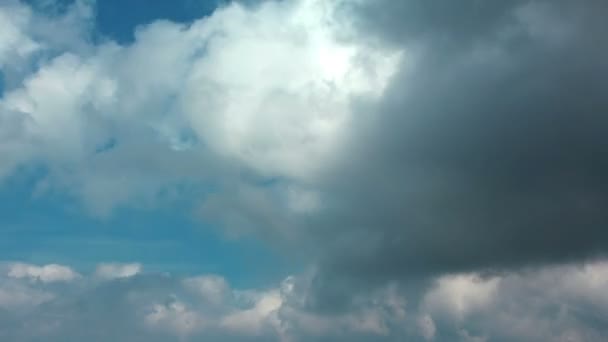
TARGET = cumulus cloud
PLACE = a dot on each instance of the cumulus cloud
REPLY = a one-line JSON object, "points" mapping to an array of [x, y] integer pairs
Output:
{"points": [[459, 295], [163, 307], [211, 288], [484, 153], [117, 270], [46, 274], [184, 96], [555, 303], [252, 321], [549, 304], [176, 318], [14, 42]]}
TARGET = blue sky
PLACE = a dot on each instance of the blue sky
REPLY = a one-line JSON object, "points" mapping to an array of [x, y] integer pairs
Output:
{"points": [[303, 170], [54, 228], [119, 19]]}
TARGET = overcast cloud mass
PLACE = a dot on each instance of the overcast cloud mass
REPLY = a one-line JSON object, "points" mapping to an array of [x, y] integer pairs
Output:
{"points": [[433, 170]]}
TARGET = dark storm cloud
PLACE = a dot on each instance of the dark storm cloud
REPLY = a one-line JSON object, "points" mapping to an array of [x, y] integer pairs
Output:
{"points": [[461, 22], [488, 151]]}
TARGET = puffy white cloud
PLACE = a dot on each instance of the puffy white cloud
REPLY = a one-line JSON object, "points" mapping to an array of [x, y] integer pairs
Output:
{"points": [[28, 35], [117, 270], [252, 321], [229, 90], [211, 288], [556, 303], [459, 295], [280, 110], [14, 42], [176, 318], [47, 274]]}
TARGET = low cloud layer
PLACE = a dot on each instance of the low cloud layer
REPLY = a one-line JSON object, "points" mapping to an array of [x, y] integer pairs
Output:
{"points": [[565, 303]]}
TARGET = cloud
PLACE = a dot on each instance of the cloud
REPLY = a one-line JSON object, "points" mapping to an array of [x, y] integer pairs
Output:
{"points": [[459, 295], [108, 121], [163, 306], [46, 274], [427, 328], [551, 303], [211, 288], [117, 271], [14, 42], [252, 321], [556, 303], [14, 296], [176, 318], [484, 152]]}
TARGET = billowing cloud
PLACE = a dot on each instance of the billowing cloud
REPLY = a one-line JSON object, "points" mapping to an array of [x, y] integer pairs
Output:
{"points": [[183, 105], [485, 152]]}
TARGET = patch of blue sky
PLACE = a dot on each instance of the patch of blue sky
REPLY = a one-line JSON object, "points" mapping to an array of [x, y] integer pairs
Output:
{"points": [[118, 19], [51, 229]]}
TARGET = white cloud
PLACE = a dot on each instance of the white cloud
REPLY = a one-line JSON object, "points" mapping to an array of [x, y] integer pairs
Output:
{"points": [[47, 274], [14, 42], [188, 94], [117, 270], [553, 303], [213, 289], [251, 321], [281, 109], [427, 328], [459, 295], [27, 36], [175, 317]]}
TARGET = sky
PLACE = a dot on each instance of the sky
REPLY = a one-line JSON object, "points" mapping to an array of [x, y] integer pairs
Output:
{"points": [[303, 170]]}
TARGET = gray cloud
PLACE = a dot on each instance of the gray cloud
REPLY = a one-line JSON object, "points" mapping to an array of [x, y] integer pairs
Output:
{"points": [[487, 150], [160, 307]]}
